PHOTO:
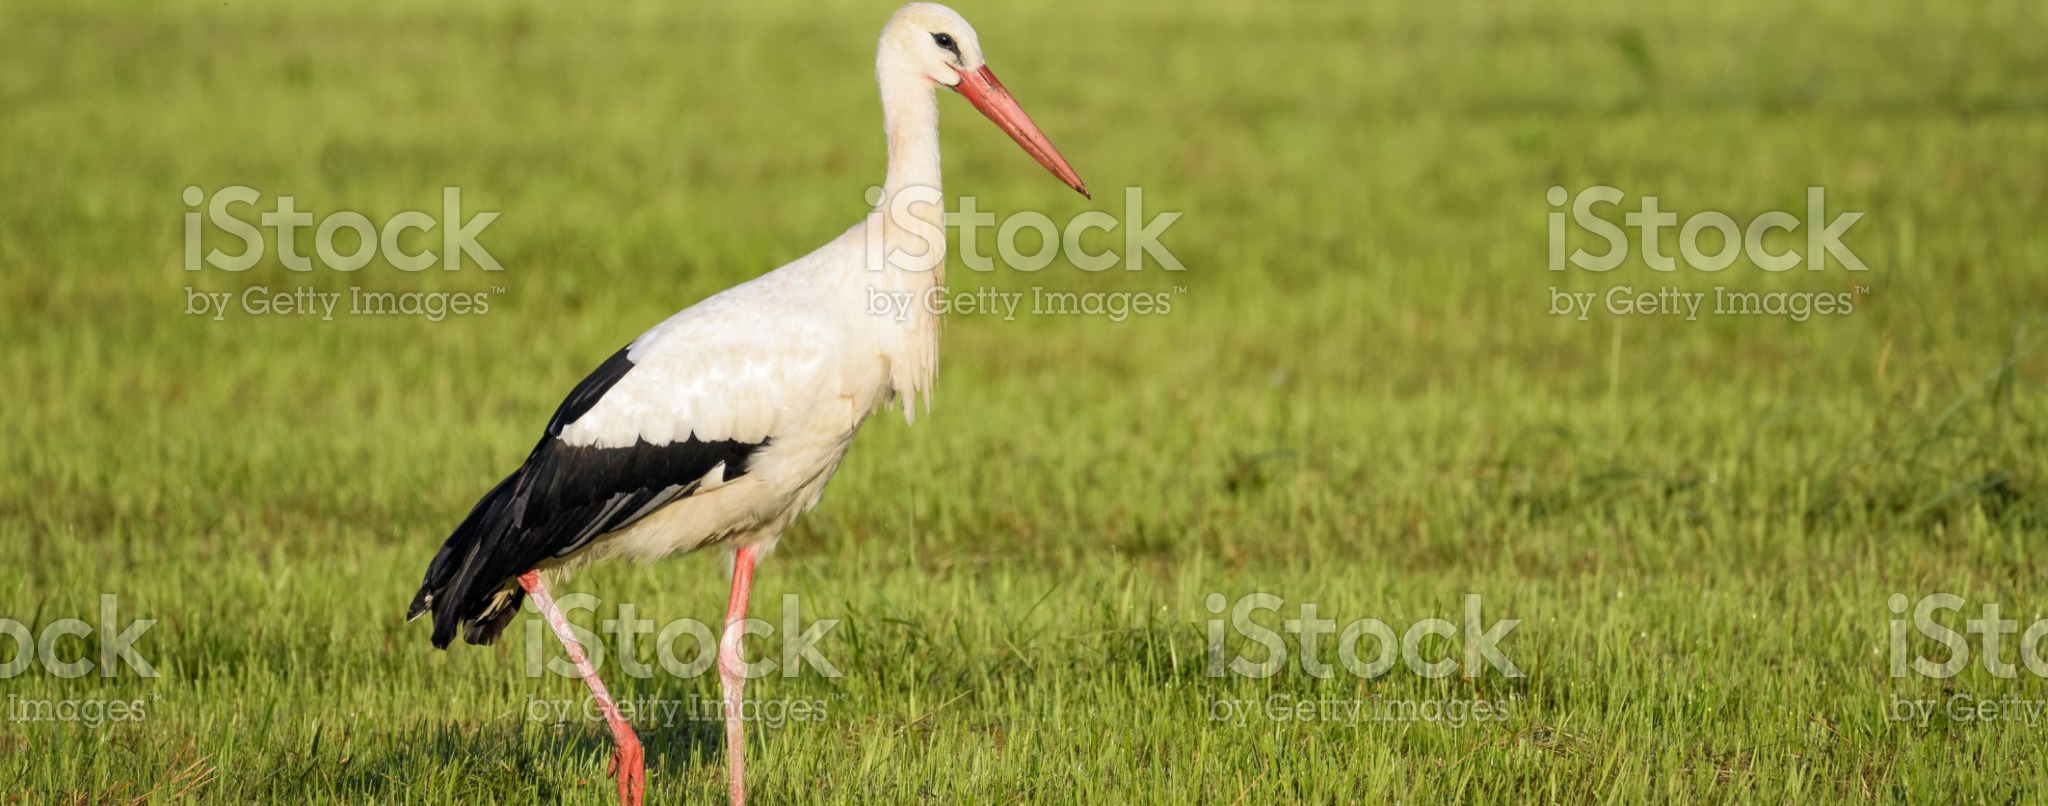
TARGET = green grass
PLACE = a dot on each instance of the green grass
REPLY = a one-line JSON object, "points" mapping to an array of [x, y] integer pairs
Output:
{"points": [[1359, 401]]}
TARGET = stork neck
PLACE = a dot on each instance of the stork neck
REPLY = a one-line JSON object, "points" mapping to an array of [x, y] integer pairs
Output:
{"points": [[912, 208], [911, 116], [910, 255]]}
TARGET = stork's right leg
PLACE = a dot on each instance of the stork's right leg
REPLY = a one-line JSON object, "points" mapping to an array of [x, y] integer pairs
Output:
{"points": [[732, 675], [631, 768]]}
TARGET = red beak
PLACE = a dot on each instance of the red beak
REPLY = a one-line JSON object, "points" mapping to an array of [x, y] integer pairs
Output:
{"points": [[987, 94]]}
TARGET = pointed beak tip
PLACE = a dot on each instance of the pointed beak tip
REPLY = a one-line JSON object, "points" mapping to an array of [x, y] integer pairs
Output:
{"points": [[986, 93]]}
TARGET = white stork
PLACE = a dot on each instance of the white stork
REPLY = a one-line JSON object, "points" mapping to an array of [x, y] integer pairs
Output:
{"points": [[721, 425]]}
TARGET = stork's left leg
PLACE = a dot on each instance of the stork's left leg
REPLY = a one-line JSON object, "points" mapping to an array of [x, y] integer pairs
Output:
{"points": [[627, 763], [732, 673]]}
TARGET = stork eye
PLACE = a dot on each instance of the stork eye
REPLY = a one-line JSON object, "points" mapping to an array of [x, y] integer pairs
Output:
{"points": [[946, 41]]}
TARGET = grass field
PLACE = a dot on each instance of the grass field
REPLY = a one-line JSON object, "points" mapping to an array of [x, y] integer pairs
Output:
{"points": [[1359, 399]]}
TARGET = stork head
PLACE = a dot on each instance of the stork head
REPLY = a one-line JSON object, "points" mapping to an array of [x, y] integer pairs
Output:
{"points": [[935, 44]]}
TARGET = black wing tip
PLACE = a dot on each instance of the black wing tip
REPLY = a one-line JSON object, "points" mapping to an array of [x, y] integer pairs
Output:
{"points": [[420, 602], [451, 576]]}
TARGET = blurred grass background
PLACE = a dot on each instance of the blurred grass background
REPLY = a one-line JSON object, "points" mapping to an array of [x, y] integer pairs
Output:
{"points": [[1360, 400]]}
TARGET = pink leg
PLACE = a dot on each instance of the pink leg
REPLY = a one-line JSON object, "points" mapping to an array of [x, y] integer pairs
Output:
{"points": [[627, 763], [731, 674]]}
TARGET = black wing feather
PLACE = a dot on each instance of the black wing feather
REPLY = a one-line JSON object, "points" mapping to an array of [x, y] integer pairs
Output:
{"points": [[563, 497]]}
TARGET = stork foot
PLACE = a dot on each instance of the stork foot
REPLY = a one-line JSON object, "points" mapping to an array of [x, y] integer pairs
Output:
{"points": [[629, 767]]}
